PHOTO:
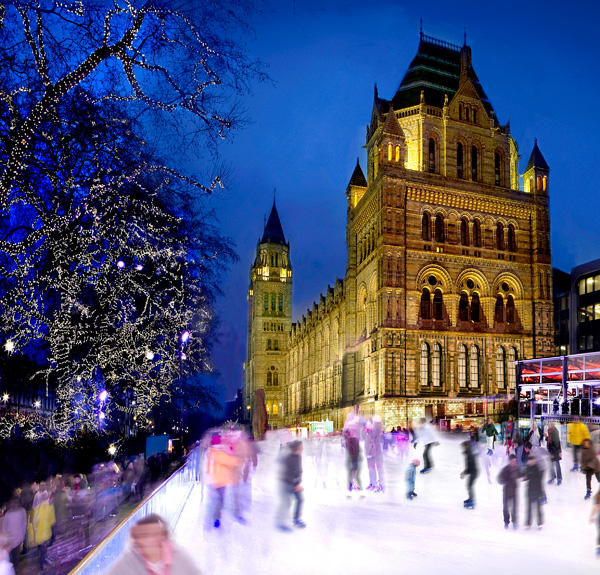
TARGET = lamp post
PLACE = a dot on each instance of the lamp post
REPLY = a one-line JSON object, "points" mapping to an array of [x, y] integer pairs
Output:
{"points": [[185, 336]]}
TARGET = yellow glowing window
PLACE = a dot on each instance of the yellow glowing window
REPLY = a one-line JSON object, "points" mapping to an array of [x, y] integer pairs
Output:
{"points": [[397, 153], [390, 148], [275, 408], [545, 184]]}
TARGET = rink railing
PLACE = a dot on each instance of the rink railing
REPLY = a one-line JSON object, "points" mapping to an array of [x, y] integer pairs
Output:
{"points": [[167, 500]]}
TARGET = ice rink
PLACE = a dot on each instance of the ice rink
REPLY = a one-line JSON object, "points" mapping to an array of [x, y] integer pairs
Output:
{"points": [[385, 533]]}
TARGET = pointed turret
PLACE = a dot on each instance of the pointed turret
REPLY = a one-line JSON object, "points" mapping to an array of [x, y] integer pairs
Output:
{"points": [[536, 172], [273, 232], [391, 126], [356, 187]]}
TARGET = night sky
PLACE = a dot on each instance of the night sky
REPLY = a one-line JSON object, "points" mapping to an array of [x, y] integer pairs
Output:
{"points": [[537, 62]]}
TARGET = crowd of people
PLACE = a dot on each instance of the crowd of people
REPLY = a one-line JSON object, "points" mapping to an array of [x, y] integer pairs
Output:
{"points": [[67, 506]]}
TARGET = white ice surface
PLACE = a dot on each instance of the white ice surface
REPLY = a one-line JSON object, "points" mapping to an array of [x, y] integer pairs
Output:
{"points": [[386, 534]]}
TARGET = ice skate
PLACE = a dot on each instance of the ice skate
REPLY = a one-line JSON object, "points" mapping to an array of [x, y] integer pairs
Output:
{"points": [[469, 504], [575, 467], [588, 494]]}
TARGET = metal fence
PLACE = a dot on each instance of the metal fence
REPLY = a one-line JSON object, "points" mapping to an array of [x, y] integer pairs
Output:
{"points": [[167, 500]]}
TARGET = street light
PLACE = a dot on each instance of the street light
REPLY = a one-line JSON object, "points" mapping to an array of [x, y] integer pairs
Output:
{"points": [[185, 336], [9, 346]]}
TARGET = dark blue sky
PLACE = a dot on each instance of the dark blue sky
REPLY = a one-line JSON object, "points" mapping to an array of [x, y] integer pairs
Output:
{"points": [[537, 62]]}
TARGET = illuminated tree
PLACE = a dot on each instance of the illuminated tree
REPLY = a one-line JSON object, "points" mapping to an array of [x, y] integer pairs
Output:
{"points": [[174, 58]]}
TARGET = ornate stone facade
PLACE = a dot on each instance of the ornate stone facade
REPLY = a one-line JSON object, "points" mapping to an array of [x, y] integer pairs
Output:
{"points": [[448, 277]]}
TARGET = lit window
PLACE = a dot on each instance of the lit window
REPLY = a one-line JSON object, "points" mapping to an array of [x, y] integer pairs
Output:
{"points": [[512, 368], [397, 153], [589, 285], [436, 371], [424, 364], [581, 287], [500, 381], [390, 150], [474, 366], [462, 366], [545, 184]]}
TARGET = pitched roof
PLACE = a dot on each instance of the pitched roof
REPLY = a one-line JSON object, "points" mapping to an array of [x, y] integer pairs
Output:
{"points": [[536, 159], [391, 125], [358, 178], [435, 70], [273, 231]]}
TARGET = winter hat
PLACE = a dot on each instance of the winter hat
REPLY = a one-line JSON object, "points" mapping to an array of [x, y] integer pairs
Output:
{"points": [[416, 462]]}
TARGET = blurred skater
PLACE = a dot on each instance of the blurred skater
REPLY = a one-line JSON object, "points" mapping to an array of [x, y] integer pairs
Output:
{"points": [[577, 432], [590, 465], [220, 470], [351, 441], [490, 432], [555, 451], [15, 524], [425, 436], [595, 518], [508, 479], [374, 453], [290, 485], [6, 567], [411, 473], [471, 470], [533, 475], [151, 552]]}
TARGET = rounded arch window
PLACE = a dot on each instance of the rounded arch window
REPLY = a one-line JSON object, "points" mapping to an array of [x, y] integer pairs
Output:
{"points": [[424, 363], [425, 304], [464, 231], [477, 233], [438, 305], [463, 307], [474, 366], [475, 308]]}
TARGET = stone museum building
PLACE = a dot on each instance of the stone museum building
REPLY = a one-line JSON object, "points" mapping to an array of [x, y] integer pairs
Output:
{"points": [[448, 278]]}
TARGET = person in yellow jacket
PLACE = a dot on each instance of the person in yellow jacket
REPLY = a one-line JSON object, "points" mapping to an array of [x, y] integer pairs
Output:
{"points": [[43, 520], [576, 433]]}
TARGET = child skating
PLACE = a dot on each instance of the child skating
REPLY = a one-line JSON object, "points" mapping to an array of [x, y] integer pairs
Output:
{"points": [[411, 473]]}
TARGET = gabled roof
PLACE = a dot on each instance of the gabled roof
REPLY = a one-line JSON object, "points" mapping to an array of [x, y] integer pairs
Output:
{"points": [[273, 231], [435, 70], [536, 159], [358, 178]]}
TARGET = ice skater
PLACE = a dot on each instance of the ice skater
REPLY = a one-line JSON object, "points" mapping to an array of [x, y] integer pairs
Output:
{"points": [[425, 435], [374, 453], [471, 470], [590, 465], [577, 432], [555, 451], [290, 485], [351, 441], [490, 432], [533, 475], [595, 518], [508, 479], [411, 473]]}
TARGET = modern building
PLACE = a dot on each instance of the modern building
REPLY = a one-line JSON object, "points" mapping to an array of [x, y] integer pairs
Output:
{"points": [[448, 278]]}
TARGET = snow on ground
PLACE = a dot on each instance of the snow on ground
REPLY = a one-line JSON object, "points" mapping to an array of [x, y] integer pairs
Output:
{"points": [[387, 534]]}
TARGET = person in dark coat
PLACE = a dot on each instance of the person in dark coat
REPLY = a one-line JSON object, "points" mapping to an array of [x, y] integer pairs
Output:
{"points": [[471, 470], [590, 465], [534, 474], [555, 451], [508, 477], [291, 485]]}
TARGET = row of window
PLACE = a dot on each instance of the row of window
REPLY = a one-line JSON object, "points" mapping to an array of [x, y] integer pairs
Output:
{"points": [[589, 285], [272, 377], [467, 310], [272, 326], [276, 302], [466, 238], [273, 345], [431, 366]]}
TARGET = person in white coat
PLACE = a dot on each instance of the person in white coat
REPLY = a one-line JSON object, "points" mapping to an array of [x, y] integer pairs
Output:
{"points": [[426, 437]]}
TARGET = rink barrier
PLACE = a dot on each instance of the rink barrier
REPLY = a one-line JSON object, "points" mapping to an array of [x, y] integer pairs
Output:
{"points": [[167, 500]]}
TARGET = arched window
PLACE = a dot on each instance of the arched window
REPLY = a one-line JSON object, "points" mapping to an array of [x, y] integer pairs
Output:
{"points": [[438, 305], [464, 232], [474, 163], [439, 228], [436, 363], [476, 233], [275, 378], [462, 366], [510, 310], [500, 236], [459, 161], [276, 344], [269, 379], [273, 301], [397, 153], [425, 226], [545, 184], [499, 310], [460, 111], [425, 304], [268, 344], [512, 368], [432, 156], [538, 183], [474, 115], [474, 366], [390, 151], [475, 308], [463, 307], [424, 364], [467, 113], [280, 302], [500, 376], [512, 239], [497, 169], [266, 301]]}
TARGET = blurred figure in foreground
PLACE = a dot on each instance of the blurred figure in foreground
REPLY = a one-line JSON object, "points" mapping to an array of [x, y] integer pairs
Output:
{"points": [[374, 453], [290, 485], [533, 474], [220, 466], [15, 524], [555, 451], [425, 435], [151, 552], [508, 479], [411, 473], [590, 465], [351, 441], [472, 470], [6, 567]]}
